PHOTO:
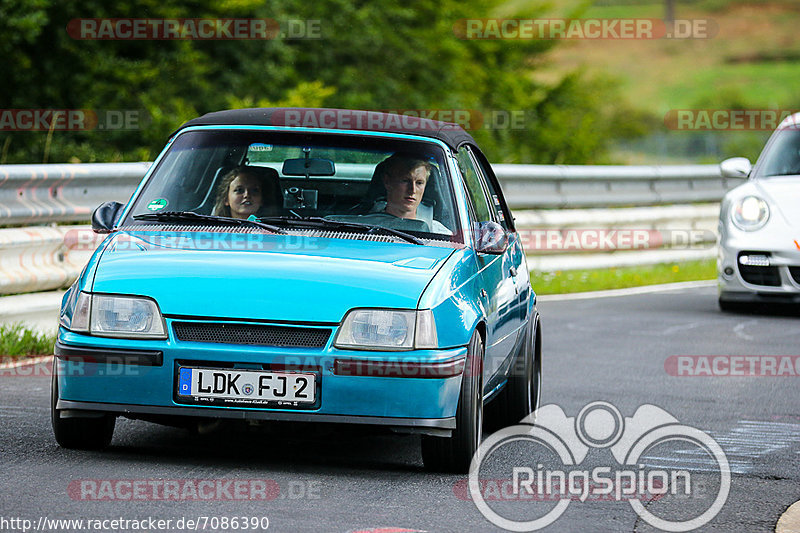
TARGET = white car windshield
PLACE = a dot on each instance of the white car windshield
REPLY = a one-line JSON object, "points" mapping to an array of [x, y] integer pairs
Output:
{"points": [[783, 155]]}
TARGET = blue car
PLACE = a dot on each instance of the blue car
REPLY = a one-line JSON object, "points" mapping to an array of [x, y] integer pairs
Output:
{"points": [[309, 265]]}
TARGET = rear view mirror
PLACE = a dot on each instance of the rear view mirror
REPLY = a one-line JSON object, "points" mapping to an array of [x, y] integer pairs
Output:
{"points": [[105, 216], [308, 167]]}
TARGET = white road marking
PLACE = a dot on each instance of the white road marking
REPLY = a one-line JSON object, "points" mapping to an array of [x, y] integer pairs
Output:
{"points": [[743, 445], [647, 289], [739, 327]]}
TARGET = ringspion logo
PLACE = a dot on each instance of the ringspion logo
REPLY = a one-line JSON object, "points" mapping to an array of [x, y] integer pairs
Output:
{"points": [[542, 468]]}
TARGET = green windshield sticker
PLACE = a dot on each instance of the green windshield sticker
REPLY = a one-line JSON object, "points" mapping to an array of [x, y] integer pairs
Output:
{"points": [[157, 205]]}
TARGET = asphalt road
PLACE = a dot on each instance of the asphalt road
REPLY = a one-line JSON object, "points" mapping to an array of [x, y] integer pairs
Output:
{"points": [[324, 479]]}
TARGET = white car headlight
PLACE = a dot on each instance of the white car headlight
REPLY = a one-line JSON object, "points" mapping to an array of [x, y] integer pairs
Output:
{"points": [[750, 213], [109, 315], [386, 329]]}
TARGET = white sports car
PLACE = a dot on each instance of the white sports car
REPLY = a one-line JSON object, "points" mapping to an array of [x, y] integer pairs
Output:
{"points": [[759, 225]]}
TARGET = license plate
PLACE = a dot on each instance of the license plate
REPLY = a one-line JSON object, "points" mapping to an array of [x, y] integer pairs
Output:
{"points": [[248, 386]]}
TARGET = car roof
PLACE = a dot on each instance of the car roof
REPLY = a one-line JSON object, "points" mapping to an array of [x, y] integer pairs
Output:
{"points": [[338, 119]]}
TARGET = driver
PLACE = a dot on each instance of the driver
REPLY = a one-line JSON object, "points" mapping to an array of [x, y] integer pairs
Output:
{"points": [[405, 180]]}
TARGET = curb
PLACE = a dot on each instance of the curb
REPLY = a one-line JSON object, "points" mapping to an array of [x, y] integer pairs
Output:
{"points": [[38, 310], [646, 289], [25, 361]]}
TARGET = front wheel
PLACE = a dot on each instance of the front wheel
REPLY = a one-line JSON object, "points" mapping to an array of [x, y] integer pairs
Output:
{"points": [[520, 396], [454, 453], [80, 433]]}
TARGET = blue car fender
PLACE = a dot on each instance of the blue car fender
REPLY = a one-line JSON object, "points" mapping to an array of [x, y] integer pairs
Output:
{"points": [[454, 296]]}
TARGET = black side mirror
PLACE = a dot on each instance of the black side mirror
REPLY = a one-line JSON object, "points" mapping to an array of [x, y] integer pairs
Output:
{"points": [[490, 238], [105, 216]]}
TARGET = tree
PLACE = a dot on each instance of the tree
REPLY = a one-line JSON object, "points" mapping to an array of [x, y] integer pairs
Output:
{"points": [[370, 56]]}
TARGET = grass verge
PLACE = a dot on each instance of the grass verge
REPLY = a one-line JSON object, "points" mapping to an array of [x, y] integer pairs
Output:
{"points": [[18, 341], [568, 281]]}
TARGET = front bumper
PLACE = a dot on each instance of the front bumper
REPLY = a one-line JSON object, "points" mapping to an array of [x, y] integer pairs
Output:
{"points": [[779, 282], [138, 378]]}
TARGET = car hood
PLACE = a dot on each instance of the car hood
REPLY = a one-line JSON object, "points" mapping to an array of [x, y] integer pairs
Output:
{"points": [[270, 277], [783, 193]]}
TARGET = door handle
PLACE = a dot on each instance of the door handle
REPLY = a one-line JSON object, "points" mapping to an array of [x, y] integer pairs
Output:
{"points": [[513, 271]]}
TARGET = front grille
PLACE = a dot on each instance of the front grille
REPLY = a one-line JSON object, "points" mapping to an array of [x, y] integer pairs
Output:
{"points": [[252, 334], [795, 272], [760, 275]]}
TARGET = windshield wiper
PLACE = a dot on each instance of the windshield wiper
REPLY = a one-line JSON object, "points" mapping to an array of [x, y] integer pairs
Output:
{"points": [[319, 222], [190, 216]]}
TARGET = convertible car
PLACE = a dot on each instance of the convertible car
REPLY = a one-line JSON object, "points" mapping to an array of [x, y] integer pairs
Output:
{"points": [[759, 225], [310, 265]]}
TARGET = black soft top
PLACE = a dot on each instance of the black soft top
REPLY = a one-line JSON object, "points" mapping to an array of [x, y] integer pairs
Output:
{"points": [[345, 119]]}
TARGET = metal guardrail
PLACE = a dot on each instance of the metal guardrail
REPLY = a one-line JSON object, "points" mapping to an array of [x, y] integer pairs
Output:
{"points": [[572, 186], [35, 194], [42, 258]]}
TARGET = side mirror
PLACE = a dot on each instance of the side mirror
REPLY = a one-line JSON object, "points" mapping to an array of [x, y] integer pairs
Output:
{"points": [[735, 167], [490, 238], [105, 216]]}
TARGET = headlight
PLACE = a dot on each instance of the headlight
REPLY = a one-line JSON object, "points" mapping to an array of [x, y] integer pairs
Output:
{"points": [[108, 315], [385, 329], [750, 213]]}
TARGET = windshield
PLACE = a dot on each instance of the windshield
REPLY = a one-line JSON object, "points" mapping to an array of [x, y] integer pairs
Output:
{"points": [[783, 155], [395, 184]]}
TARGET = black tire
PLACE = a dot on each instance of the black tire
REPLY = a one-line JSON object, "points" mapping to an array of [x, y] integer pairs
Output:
{"points": [[454, 454], [79, 433], [520, 396], [734, 307]]}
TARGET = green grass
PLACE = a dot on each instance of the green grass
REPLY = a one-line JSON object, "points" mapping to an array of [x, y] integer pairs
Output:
{"points": [[569, 281], [751, 60], [752, 85], [19, 341]]}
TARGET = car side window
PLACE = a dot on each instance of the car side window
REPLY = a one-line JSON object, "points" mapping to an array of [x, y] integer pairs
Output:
{"points": [[474, 187], [497, 203]]}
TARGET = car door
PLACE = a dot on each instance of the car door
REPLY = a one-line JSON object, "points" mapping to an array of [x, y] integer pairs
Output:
{"points": [[518, 265], [498, 293]]}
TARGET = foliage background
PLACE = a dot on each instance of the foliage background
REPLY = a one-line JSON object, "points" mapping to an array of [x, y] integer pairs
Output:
{"points": [[372, 55], [584, 101]]}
